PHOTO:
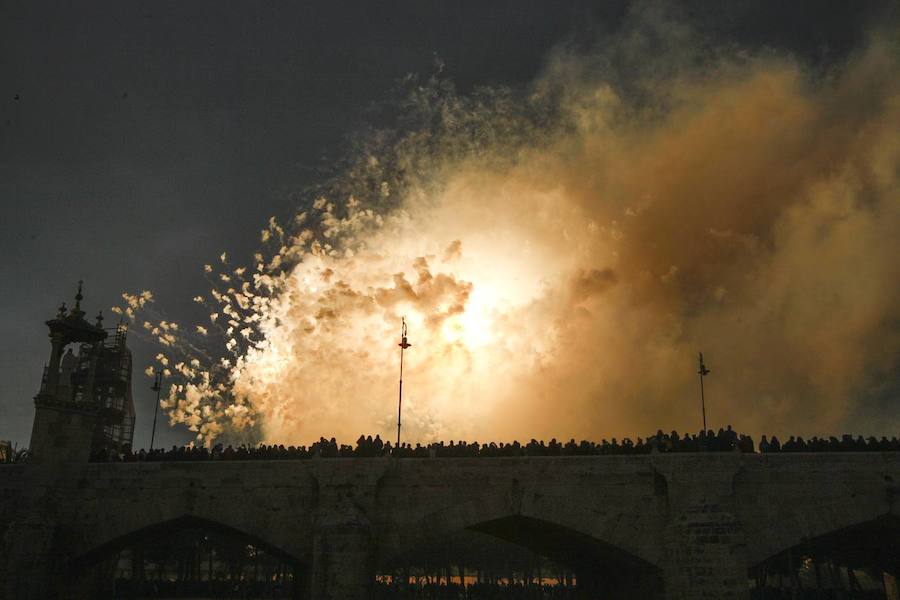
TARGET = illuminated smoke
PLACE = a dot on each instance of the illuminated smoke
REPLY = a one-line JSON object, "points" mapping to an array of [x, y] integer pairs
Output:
{"points": [[561, 255]]}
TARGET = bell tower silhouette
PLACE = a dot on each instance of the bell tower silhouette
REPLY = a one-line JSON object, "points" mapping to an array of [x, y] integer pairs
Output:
{"points": [[84, 407]]}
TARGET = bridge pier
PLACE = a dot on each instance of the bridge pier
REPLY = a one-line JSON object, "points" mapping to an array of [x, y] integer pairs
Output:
{"points": [[28, 565], [343, 553], [342, 562], [705, 541], [708, 571]]}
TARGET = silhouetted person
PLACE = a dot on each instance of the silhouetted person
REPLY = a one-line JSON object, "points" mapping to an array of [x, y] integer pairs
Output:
{"points": [[731, 438]]}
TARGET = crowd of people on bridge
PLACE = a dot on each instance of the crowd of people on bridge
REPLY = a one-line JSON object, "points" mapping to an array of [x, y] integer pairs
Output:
{"points": [[725, 440], [847, 443]]}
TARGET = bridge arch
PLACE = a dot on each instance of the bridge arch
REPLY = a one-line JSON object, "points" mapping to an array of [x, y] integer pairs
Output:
{"points": [[813, 520], [116, 500], [631, 533], [293, 536], [863, 557], [175, 525], [610, 555], [231, 557], [602, 569]]}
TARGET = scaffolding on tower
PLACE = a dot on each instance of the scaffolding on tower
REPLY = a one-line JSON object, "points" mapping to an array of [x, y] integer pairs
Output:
{"points": [[111, 390]]}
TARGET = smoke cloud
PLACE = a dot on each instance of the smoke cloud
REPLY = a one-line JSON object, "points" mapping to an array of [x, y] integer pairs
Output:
{"points": [[562, 253]]}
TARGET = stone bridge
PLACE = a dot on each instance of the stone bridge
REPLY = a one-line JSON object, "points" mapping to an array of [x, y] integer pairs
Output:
{"points": [[690, 524]]}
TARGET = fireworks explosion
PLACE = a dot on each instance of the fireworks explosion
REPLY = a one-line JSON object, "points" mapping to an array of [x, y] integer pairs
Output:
{"points": [[561, 253]]}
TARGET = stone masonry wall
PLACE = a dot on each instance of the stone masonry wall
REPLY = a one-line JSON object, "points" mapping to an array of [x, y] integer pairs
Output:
{"points": [[699, 520]]}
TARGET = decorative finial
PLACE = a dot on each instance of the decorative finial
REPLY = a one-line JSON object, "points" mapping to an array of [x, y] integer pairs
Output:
{"points": [[703, 370], [99, 323], [62, 311], [403, 343], [78, 296], [76, 312]]}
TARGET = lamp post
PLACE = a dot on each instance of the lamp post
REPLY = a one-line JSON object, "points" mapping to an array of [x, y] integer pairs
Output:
{"points": [[157, 385], [703, 372], [403, 346]]}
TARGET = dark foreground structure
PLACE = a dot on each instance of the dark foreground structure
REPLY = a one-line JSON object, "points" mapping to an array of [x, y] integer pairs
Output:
{"points": [[659, 526], [673, 525]]}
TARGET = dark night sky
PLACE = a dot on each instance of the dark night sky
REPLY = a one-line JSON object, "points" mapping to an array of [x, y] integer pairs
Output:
{"points": [[139, 140]]}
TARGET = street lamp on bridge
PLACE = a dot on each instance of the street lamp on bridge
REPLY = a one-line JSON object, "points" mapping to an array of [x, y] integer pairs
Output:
{"points": [[403, 346], [703, 372]]}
